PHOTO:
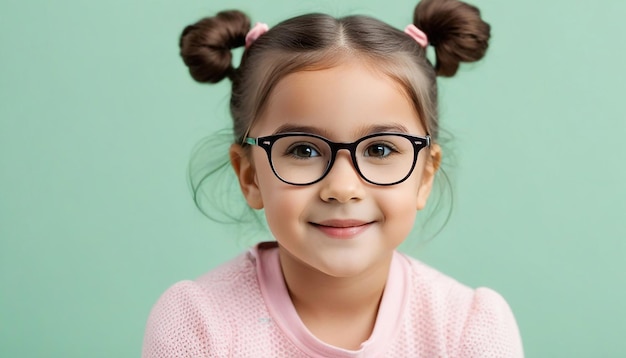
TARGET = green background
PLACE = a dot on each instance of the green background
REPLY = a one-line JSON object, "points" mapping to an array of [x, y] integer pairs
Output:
{"points": [[98, 118]]}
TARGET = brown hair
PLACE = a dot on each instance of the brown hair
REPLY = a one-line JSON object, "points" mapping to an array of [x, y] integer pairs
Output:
{"points": [[316, 41]]}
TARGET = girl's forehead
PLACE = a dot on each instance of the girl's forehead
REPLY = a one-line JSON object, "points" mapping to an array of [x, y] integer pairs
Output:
{"points": [[342, 100]]}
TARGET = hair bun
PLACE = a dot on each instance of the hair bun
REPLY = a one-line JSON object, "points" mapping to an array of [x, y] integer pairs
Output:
{"points": [[455, 29], [206, 45]]}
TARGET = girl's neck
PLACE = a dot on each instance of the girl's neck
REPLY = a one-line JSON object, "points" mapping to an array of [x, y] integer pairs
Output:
{"points": [[338, 311]]}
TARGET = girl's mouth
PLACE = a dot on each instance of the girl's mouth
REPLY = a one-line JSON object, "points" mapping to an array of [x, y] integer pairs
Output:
{"points": [[342, 229]]}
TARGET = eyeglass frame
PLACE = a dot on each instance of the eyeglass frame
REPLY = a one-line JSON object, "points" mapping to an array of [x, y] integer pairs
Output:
{"points": [[266, 142]]}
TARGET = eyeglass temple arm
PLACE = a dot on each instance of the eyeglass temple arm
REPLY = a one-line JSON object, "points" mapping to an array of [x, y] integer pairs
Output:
{"points": [[426, 139], [251, 141]]}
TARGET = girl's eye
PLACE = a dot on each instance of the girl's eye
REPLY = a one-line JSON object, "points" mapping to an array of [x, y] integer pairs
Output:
{"points": [[379, 150], [303, 151]]}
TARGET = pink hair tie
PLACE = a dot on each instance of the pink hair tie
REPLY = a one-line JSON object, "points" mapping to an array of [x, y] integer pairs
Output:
{"points": [[256, 32], [418, 35]]}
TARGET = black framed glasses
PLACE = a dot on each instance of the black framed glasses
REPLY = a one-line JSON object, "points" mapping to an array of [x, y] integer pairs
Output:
{"points": [[305, 158]]}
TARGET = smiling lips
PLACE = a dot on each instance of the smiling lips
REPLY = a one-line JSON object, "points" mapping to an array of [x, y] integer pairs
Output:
{"points": [[342, 229]]}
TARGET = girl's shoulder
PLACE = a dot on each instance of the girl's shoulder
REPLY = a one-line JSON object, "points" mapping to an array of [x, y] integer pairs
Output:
{"points": [[192, 316], [476, 321], [220, 285], [430, 281], [434, 285], [239, 270]]}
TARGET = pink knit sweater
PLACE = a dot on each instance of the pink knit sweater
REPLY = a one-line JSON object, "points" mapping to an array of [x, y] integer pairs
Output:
{"points": [[243, 309]]}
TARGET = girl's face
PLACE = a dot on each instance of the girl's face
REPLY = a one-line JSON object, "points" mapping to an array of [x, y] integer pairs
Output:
{"points": [[341, 226]]}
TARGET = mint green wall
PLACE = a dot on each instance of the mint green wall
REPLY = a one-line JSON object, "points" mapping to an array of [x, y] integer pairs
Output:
{"points": [[98, 117]]}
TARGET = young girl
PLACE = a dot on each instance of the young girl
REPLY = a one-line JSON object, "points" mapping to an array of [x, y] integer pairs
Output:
{"points": [[335, 124]]}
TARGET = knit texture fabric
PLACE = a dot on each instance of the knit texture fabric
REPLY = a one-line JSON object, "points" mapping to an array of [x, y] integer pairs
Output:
{"points": [[243, 309]]}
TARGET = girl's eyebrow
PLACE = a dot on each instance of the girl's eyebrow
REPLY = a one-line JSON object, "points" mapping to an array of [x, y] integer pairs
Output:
{"points": [[290, 128], [391, 127]]}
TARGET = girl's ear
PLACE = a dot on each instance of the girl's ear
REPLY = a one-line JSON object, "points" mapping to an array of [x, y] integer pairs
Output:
{"points": [[244, 169], [428, 176]]}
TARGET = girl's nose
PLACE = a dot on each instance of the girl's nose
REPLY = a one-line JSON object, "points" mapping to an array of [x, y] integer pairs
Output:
{"points": [[343, 183]]}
